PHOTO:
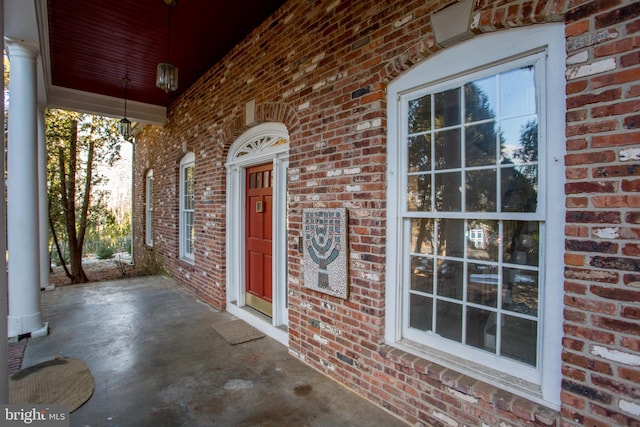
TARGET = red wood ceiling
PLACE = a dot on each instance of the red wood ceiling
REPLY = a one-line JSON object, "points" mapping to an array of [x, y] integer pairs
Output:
{"points": [[95, 43]]}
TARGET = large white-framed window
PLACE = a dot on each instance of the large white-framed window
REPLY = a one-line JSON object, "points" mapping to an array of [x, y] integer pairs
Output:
{"points": [[148, 209], [476, 211], [187, 211]]}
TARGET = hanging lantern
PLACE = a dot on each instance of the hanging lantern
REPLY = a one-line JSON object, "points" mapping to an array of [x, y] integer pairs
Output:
{"points": [[124, 125], [167, 77], [167, 73]]}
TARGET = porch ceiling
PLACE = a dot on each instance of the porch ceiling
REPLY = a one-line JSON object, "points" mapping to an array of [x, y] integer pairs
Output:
{"points": [[89, 46]]}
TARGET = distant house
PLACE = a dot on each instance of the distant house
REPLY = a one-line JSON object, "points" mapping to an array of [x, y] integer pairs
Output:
{"points": [[487, 159]]}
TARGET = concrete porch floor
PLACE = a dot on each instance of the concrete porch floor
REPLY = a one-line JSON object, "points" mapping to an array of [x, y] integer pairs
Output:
{"points": [[158, 361]]}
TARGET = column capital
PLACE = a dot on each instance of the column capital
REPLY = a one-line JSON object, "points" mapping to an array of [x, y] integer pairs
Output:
{"points": [[20, 47]]}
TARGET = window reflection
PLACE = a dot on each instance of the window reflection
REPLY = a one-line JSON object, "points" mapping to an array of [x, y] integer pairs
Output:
{"points": [[482, 284], [481, 190], [422, 274], [420, 114], [481, 329], [422, 230], [450, 239], [447, 147], [449, 320], [472, 154], [421, 316], [480, 99], [419, 192], [483, 239], [519, 191], [480, 144], [520, 291], [419, 153], [521, 240], [519, 338], [518, 84], [447, 192], [447, 108], [450, 279]]}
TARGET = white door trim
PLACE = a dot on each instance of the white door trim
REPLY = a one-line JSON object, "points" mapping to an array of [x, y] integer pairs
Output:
{"points": [[264, 143]]}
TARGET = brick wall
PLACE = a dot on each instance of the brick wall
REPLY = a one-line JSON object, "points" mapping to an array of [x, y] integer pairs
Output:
{"points": [[601, 359], [321, 68]]}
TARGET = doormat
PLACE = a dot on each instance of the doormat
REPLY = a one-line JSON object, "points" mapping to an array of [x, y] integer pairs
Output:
{"points": [[54, 382], [238, 332]]}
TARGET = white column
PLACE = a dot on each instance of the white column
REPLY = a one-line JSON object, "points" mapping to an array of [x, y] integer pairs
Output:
{"points": [[43, 201], [22, 193], [4, 348]]}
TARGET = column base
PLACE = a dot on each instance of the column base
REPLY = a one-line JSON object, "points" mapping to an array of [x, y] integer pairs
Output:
{"points": [[42, 332], [31, 325]]}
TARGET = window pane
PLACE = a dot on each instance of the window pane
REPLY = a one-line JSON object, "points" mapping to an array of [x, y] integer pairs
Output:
{"points": [[448, 197], [447, 155], [447, 108], [192, 239], [450, 279], [518, 92], [481, 329], [188, 201], [420, 114], [188, 176], [482, 284], [189, 187], [520, 291], [519, 189], [420, 314], [519, 339], [483, 240], [189, 234], [419, 153], [449, 320], [419, 192], [519, 138], [422, 230], [521, 242], [480, 99], [480, 144], [422, 274], [481, 190], [451, 237]]}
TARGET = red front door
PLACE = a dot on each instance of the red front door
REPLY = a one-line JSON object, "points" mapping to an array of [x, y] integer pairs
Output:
{"points": [[259, 236]]}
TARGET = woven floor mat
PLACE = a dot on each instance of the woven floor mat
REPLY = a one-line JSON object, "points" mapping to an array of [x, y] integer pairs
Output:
{"points": [[54, 382], [237, 332]]}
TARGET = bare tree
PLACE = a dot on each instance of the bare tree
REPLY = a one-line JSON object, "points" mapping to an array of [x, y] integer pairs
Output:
{"points": [[76, 142]]}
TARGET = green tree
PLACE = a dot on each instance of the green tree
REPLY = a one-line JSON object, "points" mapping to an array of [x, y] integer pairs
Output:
{"points": [[76, 142]]}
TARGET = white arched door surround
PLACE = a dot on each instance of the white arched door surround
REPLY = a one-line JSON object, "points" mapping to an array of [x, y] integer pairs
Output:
{"points": [[261, 144]]}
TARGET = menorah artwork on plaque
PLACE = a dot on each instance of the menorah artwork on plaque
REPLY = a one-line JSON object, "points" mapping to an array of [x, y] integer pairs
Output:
{"points": [[325, 250]]}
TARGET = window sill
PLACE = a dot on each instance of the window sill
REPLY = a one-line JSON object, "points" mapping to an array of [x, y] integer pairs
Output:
{"points": [[481, 373], [188, 261]]}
